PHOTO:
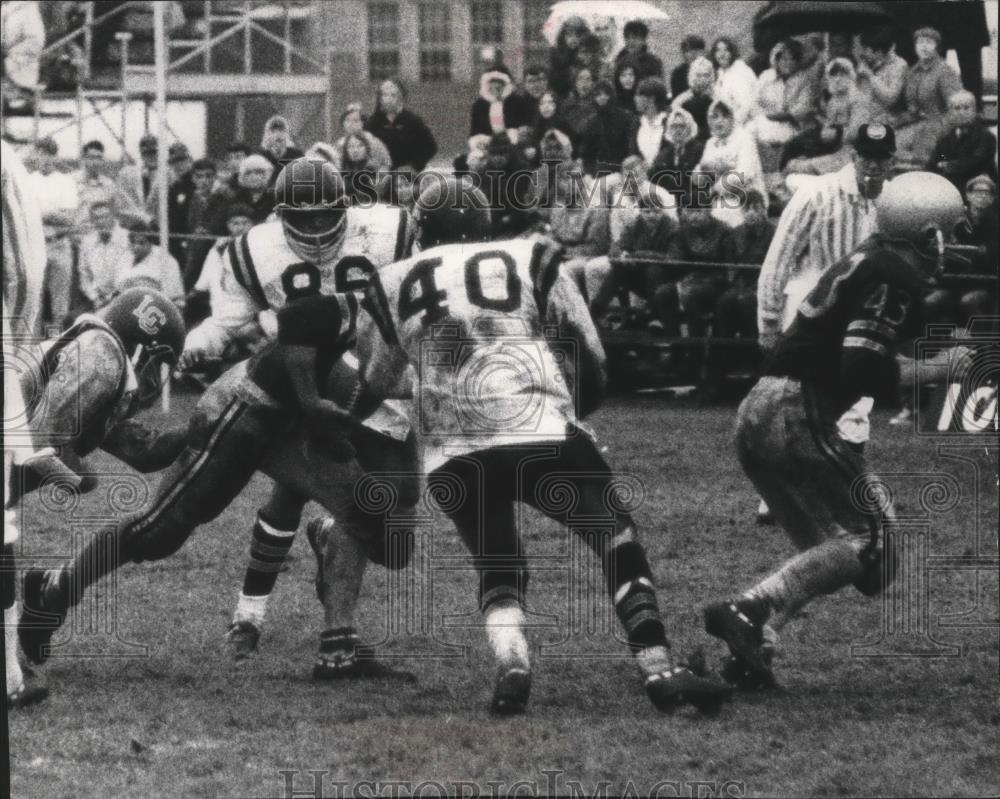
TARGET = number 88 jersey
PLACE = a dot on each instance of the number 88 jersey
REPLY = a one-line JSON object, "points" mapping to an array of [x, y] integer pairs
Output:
{"points": [[482, 325], [261, 271]]}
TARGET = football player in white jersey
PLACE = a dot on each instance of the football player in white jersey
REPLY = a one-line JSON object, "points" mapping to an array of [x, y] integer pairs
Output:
{"points": [[507, 361], [246, 423]]}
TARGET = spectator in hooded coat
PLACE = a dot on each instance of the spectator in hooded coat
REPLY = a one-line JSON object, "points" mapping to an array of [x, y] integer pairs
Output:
{"points": [[488, 115], [679, 154]]}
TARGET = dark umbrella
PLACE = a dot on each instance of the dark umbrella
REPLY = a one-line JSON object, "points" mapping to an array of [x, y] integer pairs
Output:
{"points": [[777, 20]]}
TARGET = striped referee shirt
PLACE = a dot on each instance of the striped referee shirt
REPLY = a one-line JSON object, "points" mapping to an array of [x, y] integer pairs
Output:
{"points": [[822, 223]]}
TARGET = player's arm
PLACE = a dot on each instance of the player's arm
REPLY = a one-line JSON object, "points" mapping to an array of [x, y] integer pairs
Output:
{"points": [[233, 308], [304, 327], [578, 345]]}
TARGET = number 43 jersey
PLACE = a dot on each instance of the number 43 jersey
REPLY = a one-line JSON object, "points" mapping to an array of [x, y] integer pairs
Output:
{"points": [[261, 271], [493, 332]]}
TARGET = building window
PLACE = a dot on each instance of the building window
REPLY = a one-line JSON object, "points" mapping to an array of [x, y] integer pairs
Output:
{"points": [[536, 49], [487, 22], [434, 29], [383, 40]]}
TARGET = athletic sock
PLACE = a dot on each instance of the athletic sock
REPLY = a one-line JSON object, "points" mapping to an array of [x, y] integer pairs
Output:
{"points": [[819, 570], [251, 609], [630, 584], [505, 630], [268, 549]]}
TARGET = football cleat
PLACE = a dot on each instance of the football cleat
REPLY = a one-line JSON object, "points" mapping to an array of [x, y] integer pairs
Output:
{"points": [[342, 656], [317, 534], [43, 612], [670, 689], [740, 624], [242, 638], [511, 692], [33, 690]]}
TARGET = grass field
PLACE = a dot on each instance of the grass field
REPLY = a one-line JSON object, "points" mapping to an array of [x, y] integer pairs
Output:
{"points": [[182, 720]]}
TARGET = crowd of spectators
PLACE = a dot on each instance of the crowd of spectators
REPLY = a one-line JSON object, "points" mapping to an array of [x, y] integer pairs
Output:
{"points": [[630, 167]]}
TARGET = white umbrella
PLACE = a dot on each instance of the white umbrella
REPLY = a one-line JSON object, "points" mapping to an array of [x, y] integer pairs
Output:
{"points": [[606, 19]]}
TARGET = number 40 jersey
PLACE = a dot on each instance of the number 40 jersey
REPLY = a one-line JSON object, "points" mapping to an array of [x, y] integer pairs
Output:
{"points": [[496, 335], [261, 271]]}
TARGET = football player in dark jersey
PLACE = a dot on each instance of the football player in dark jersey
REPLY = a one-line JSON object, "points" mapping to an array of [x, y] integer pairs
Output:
{"points": [[841, 346]]}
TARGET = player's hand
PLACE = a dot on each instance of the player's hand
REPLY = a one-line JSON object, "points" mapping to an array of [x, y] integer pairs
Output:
{"points": [[191, 360]]}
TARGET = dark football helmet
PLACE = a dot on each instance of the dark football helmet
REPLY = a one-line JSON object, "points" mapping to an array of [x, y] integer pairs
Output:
{"points": [[921, 210], [312, 202], [450, 210], [151, 329]]}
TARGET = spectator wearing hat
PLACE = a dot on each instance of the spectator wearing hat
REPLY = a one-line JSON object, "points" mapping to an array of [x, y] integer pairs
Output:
{"points": [[881, 73], [928, 87], [277, 144], [228, 173], [679, 154], [735, 82], [636, 52], [151, 266], [967, 148], [137, 183], [409, 141], [608, 135], [826, 147], [823, 222], [564, 56], [692, 47], [699, 94], [56, 194], [103, 252]]}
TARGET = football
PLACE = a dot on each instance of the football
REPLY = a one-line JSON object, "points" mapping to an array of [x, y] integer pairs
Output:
{"points": [[343, 384]]}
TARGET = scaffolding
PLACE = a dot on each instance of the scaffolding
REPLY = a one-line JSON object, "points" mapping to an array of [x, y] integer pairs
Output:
{"points": [[191, 63]]}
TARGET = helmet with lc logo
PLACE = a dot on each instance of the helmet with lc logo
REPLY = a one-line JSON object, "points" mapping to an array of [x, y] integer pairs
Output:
{"points": [[151, 330]]}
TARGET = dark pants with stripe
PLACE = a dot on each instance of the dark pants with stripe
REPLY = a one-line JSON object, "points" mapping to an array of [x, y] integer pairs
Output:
{"points": [[816, 484], [223, 453]]}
